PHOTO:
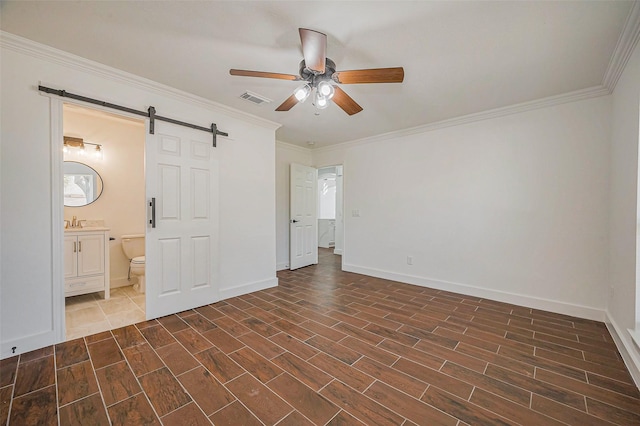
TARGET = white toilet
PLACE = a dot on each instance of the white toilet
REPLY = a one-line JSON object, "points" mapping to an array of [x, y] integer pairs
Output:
{"points": [[133, 247]]}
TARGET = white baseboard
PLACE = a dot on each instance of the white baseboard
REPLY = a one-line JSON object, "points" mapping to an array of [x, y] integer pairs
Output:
{"points": [[122, 282], [282, 266], [624, 342], [27, 343], [337, 251], [500, 296], [227, 293]]}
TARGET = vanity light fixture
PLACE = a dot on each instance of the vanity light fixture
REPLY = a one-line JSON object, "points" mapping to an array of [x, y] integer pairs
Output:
{"points": [[79, 143]]}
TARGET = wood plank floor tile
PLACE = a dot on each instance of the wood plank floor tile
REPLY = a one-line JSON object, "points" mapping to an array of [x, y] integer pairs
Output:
{"points": [[611, 413], [164, 391], [117, 383], [263, 346], [199, 323], [603, 395], [36, 354], [391, 376], [261, 368], [457, 356], [307, 373], [259, 399], [157, 336], [539, 387], [295, 419], [105, 352], [177, 358], [497, 387], [412, 408], [219, 364], [75, 382], [260, 327], [374, 352], [173, 323], [512, 411], [8, 370], [223, 340], [35, 408], [5, 403], [564, 413], [142, 359], [311, 404], [34, 375], [193, 341], [347, 374], [188, 414], [208, 392], [435, 378], [334, 349], [87, 411], [359, 333], [462, 409], [363, 408], [293, 345], [345, 419], [416, 355], [133, 411], [235, 414], [128, 336]]}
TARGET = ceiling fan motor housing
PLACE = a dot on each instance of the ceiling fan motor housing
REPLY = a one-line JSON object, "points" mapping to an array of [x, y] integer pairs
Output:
{"points": [[314, 78]]}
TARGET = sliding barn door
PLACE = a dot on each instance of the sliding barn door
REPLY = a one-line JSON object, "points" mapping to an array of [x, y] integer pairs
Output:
{"points": [[181, 244]]}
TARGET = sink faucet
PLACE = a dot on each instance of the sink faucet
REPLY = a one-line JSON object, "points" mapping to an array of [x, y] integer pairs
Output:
{"points": [[74, 222]]}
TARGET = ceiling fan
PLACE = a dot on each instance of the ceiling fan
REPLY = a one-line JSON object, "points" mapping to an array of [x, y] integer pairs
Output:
{"points": [[319, 73]]}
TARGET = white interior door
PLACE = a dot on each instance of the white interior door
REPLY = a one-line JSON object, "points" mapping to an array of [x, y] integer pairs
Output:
{"points": [[182, 247], [303, 220]]}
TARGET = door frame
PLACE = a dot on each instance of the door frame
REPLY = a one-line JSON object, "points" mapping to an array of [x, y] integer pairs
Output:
{"points": [[57, 203]]}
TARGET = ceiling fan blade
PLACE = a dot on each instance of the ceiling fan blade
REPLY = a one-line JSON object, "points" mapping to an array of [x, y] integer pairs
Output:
{"points": [[314, 49], [345, 102], [374, 75], [288, 104], [247, 73]]}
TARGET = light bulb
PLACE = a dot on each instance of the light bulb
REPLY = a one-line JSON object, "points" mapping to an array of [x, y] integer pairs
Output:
{"points": [[302, 93], [321, 101], [65, 149], [98, 152], [82, 151], [326, 89]]}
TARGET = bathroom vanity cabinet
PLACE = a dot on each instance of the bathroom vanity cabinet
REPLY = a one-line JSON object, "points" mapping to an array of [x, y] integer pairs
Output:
{"points": [[86, 261]]}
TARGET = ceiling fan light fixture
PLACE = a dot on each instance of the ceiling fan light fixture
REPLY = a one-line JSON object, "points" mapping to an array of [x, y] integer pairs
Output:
{"points": [[321, 101], [326, 89], [302, 92]]}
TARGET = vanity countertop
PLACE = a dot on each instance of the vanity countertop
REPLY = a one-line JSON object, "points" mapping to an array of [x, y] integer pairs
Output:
{"points": [[87, 229]]}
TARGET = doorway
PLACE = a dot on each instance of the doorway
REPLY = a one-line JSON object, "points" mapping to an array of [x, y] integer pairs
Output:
{"points": [[112, 146], [330, 210]]}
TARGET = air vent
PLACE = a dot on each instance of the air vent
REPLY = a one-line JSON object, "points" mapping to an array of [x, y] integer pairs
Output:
{"points": [[254, 98]]}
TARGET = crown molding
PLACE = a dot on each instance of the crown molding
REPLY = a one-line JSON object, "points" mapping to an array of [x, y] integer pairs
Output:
{"points": [[292, 147], [577, 95], [624, 48], [40, 51]]}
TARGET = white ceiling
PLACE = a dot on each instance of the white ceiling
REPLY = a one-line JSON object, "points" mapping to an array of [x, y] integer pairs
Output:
{"points": [[460, 57]]}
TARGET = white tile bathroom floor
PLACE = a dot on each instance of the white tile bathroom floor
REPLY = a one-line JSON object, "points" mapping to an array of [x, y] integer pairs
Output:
{"points": [[90, 313]]}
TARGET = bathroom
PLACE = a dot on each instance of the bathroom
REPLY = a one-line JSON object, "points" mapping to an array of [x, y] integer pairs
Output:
{"points": [[113, 161], [330, 223]]}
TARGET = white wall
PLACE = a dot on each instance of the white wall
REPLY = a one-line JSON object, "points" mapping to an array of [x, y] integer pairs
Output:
{"points": [[247, 182], [511, 208], [122, 203], [623, 298], [285, 155]]}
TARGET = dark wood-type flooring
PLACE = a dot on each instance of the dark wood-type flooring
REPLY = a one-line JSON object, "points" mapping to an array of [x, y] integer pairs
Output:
{"points": [[330, 348]]}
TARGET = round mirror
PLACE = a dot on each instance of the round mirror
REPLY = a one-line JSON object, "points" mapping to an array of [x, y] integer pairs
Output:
{"points": [[82, 184]]}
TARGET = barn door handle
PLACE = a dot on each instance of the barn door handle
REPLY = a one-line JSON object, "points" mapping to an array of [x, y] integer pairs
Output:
{"points": [[152, 204]]}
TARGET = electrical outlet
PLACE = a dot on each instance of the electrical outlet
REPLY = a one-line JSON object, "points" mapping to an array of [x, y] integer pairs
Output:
{"points": [[355, 213], [409, 260]]}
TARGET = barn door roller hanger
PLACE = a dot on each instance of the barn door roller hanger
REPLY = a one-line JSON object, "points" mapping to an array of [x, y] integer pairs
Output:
{"points": [[150, 113]]}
